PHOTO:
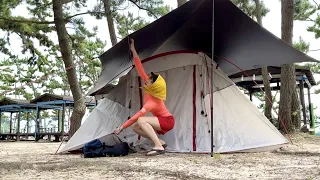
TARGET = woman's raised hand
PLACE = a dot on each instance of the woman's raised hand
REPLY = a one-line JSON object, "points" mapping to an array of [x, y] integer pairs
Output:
{"points": [[132, 45]]}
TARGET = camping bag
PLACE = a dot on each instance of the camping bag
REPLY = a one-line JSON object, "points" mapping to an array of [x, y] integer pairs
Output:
{"points": [[97, 149], [121, 149], [93, 149]]}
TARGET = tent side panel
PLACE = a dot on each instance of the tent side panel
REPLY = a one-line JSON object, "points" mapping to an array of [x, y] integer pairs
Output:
{"points": [[238, 124]]}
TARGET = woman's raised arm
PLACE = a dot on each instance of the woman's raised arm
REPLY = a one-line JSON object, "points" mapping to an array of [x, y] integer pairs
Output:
{"points": [[137, 62]]}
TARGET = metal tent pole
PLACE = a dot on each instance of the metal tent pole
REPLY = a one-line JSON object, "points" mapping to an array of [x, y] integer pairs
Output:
{"points": [[212, 57]]}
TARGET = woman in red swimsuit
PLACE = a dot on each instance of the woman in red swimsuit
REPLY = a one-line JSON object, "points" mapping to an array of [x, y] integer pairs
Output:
{"points": [[148, 126]]}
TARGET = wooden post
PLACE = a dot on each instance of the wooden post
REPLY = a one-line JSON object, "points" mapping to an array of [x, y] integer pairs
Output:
{"points": [[310, 108], [303, 102], [28, 114], [63, 118], [10, 123], [18, 128], [37, 129], [0, 120], [58, 121]]}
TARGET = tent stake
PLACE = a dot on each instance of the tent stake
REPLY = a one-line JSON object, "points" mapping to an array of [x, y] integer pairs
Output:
{"points": [[212, 57]]}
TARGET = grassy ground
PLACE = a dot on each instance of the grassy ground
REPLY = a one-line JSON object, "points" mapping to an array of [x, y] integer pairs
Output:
{"points": [[29, 160]]}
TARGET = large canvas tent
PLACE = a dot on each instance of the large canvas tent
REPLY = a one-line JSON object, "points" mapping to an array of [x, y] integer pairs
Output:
{"points": [[177, 46], [238, 124]]}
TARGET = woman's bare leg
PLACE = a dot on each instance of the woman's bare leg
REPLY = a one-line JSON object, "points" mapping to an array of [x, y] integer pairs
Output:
{"points": [[148, 126], [137, 129]]}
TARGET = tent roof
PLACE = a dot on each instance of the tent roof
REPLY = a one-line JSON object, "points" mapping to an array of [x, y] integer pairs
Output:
{"points": [[236, 37]]}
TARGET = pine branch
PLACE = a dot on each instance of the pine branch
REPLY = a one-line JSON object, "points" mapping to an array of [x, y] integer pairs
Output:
{"points": [[67, 19], [316, 3], [84, 13], [120, 9], [26, 21], [135, 3], [307, 20]]}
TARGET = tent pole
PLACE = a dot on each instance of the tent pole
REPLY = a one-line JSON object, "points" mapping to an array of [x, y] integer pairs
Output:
{"points": [[212, 57]]}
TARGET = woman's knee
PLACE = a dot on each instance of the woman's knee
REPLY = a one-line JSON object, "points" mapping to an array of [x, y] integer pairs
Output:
{"points": [[140, 121], [135, 126]]}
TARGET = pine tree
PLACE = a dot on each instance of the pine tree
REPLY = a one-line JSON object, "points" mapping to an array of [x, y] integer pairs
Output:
{"points": [[288, 80]]}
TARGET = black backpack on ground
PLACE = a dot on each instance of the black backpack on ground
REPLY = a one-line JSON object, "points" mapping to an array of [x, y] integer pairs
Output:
{"points": [[97, 149]]}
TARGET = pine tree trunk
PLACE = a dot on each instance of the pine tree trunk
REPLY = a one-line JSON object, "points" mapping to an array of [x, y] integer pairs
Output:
{"points": [[295, 110], [112, 31], [287, 70], [264, 70], [65, 49], [181, 2], [268, 95]]}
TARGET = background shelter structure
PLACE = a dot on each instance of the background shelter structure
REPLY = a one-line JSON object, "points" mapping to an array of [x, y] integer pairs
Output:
{"points": [[60, 104], [304, 79], [17, 107]]}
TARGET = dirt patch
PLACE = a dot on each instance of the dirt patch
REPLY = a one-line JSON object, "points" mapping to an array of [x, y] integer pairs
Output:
{"points": [[30, 160]]}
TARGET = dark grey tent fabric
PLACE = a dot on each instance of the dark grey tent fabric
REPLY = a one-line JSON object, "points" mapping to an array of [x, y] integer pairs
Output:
{"points": [[236, 37]]}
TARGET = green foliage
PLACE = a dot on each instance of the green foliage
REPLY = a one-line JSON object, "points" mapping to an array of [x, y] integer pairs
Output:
{"points": [[39, 64], [85, 49], [304, 10], [128, 24], [302, 45], [316, 27], [249, 7]]}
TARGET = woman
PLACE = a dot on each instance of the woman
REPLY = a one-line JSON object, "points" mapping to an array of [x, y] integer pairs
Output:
{"points": [[154, 96]]}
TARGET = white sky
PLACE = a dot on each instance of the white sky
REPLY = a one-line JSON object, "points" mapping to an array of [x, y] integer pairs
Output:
{"points": [[271, 22]]}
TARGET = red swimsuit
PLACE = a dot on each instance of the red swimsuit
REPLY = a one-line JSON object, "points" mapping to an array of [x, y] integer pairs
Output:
{"points": [[151, 104]]}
